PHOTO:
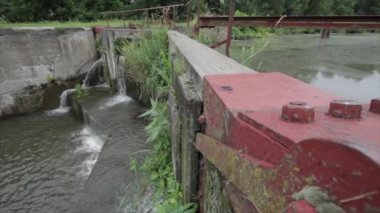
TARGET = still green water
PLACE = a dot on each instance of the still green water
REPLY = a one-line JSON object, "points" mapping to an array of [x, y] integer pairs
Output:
{"points": [[346, 65]]}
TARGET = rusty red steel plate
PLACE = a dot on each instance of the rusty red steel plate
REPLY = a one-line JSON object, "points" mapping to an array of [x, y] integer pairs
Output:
{"points": [[243, 111], [343, 22]]}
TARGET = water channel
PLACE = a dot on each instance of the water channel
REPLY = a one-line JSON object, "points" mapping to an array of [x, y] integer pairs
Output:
{"points": [[346, 65], [44, 162]]}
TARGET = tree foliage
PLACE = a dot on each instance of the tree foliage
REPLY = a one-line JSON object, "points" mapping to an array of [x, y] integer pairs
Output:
{"points": [[87, 10]]}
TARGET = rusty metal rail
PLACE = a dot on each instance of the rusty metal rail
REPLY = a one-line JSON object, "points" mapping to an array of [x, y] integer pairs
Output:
{"points": [[341, 22], [142, 10]]}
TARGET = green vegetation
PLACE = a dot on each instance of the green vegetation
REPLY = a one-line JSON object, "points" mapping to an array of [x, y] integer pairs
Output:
{"points": [[148, 64], [88, 10], [79, 92], [118, 45], [159, 165], [242, 33], [61, 30], [50, 78]]}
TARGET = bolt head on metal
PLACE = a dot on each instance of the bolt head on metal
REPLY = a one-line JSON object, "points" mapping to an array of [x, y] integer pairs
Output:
{"points": [[347, 109], [375, 105], [299, 112]]}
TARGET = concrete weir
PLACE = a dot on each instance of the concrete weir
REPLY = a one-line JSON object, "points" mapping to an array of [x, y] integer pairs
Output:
{"points": [[31, 57], [111, 180]]}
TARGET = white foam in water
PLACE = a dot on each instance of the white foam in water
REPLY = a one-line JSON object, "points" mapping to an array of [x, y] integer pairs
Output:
{"points": [[91, 144], [58, 111], [115, 100], [63, 104]]}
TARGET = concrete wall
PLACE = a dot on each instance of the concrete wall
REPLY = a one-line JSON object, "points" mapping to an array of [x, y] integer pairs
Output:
{"points": [[29, 55], [108, 37]]}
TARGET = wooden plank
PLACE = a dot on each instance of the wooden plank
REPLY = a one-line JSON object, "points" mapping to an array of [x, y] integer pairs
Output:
{"points": [[203, 60]]}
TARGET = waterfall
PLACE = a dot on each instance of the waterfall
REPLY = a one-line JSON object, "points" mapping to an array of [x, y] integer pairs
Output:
{"points": [[120, 76], [63, 104], [110, 58], [116, 65], [63, 100], [94, 66]]}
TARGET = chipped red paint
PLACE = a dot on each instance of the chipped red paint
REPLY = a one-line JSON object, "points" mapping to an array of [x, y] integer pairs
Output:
{"points": [[243, 111]]}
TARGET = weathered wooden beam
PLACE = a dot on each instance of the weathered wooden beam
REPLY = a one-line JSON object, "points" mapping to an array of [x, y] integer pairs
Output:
{"points": [[249, 178]]}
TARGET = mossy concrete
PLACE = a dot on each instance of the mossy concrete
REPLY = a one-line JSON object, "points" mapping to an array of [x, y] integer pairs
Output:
{"points": [[190, 108], [175, 135]]}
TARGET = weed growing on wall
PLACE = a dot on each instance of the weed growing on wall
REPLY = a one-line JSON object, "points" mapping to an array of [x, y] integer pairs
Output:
{"points": [[50, 78], [79, 92], [148, 63], [159, 165]]}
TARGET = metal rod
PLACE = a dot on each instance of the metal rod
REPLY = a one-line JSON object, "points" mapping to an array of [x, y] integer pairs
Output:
{"points": [[188, 10], [229, 27], [198, 12], [218, 44], [174, 17]]}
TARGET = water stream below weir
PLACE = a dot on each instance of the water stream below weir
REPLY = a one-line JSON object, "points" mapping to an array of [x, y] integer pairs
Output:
{"points": [[44, 162], [52, 162]]}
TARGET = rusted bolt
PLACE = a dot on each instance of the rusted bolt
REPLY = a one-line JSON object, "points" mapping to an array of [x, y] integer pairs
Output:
{"points": [[347, 109], [375, 105], [299, 112], [202, 119]]}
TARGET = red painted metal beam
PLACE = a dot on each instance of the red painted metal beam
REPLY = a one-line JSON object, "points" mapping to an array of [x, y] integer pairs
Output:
{"points": [[271, 152], [342, 22]]}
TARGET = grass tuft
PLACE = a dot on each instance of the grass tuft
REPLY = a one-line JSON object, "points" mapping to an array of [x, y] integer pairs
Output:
{"points": [[148, 64]]}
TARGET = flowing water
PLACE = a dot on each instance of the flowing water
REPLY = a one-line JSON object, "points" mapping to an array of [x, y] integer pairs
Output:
{"points": [[50, 162], [63, 103], [95, 67], [44, 162], [344, 65]]}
